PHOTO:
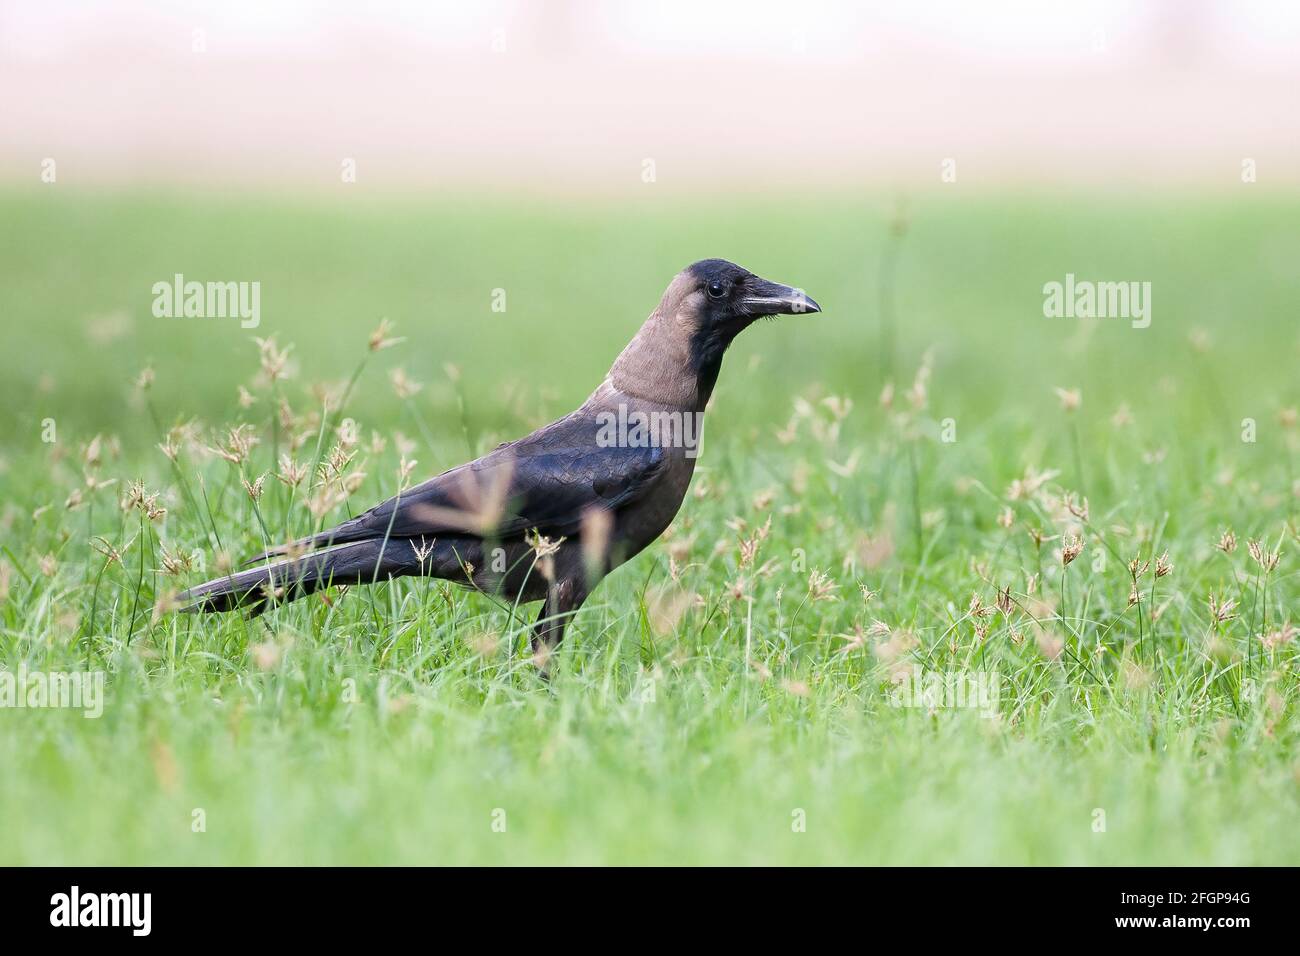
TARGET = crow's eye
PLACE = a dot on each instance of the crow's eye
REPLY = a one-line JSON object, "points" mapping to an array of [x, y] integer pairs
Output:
{"points": [[716, 290]]}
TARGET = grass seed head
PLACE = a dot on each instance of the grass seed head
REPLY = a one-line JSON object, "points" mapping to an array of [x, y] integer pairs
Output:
{"points": [[795, 688], [1070, 398], [255, 487], [379, 338], [542, 546], [169, 448], [1265, 559], [422, 550], [1221, 612], [272, 358], [821, 587], [855, 641], [291, 473], [110, 553], [404, 386], [665, 606], [238, 444], [484, 643], [266, 655], [176, 562], [1049, 645], [1282, 636]]}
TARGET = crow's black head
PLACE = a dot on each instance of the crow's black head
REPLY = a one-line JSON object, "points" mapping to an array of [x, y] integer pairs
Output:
{"points": [[720, 300], [676, 356]]}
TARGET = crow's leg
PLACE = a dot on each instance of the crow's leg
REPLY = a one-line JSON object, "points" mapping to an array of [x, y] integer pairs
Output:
{"points": [[563, 598]]}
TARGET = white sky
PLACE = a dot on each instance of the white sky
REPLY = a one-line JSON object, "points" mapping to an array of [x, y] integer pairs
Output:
{"points": [[1156, 92], [1010, 31]]}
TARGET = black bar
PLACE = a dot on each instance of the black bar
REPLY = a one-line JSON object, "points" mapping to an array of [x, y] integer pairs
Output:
{"points": [[333, 905]]}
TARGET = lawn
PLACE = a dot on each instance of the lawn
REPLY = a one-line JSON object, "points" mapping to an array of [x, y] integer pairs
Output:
{"points": [[885, 491]]}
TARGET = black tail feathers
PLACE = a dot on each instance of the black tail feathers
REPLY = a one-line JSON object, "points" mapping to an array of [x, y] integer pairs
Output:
{"points": [[279, 582]]}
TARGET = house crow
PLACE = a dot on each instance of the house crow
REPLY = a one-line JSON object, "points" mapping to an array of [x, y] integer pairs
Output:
{"points": [[547, 516]]}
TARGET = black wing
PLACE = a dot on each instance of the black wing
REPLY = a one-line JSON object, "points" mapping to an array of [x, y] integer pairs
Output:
{"points": [[546, 481]]}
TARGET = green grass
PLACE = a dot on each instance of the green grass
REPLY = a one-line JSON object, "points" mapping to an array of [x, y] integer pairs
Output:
{"points": [[392, 724]]}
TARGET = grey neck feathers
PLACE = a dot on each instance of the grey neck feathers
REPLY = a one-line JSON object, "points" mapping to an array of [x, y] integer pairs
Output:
{"points": [[657, 365]]}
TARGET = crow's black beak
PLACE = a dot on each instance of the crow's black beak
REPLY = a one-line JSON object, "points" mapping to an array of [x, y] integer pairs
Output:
{"points": [[771, 298]]}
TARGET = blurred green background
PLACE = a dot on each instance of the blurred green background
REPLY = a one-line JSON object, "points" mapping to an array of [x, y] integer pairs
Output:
{"points": [[581, 276]]}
